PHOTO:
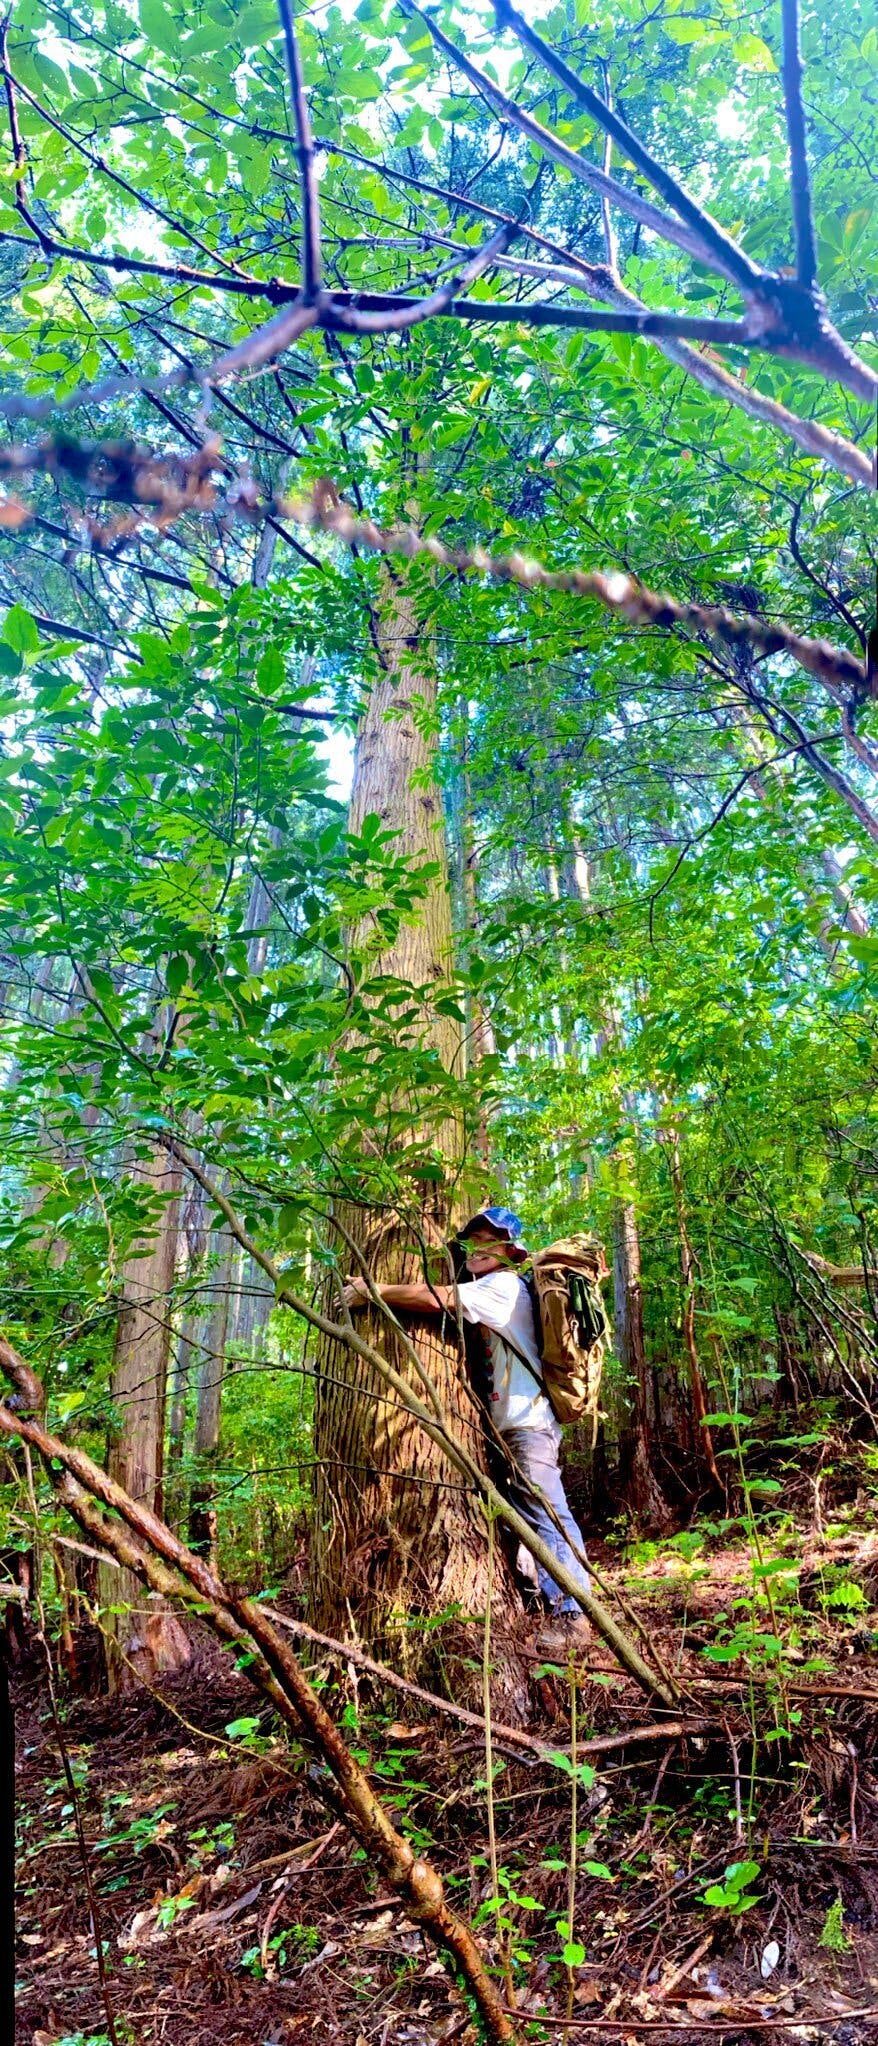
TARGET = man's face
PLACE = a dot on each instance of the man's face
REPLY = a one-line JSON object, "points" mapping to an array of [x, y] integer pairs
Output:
{"points": [[486, 1253]]}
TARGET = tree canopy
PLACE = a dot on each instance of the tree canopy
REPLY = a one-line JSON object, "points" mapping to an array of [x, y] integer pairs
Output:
{"points": [[522, 367]]}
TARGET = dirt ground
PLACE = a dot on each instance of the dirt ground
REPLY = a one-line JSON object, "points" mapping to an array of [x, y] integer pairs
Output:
{"points": [[233, 1906]]}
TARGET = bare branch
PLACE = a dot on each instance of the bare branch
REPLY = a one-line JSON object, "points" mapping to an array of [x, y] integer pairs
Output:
{"points": [[537, 313], [263, 345], [724, 254], [19, 153], [630, 202], [411, 312], [800, 180], [311, 259], [272, 288], [511, 1736], [611, 249], [837, 603]]}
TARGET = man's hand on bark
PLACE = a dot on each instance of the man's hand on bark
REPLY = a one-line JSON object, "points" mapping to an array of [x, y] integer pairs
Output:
{"points": [[356, 1293]]}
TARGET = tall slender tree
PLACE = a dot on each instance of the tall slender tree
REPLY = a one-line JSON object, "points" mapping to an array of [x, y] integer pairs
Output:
{"points": [[143, 1635]]}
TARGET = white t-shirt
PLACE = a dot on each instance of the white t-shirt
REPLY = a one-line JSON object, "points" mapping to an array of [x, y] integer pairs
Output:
{"points": [[501, 1301]]}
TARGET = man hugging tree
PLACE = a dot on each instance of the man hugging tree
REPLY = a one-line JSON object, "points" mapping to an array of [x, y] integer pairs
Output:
{"points": [[497, 1300]]}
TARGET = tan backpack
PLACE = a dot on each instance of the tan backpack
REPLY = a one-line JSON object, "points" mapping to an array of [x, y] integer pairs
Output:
{"points": [[572, 1325]]}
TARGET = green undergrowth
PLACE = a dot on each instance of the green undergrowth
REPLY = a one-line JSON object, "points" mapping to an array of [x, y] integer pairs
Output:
{"points": [[206, 1829]]}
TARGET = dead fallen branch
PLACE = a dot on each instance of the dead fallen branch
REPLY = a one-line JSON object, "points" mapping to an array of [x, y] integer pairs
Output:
{"points": [[701, 2028], [601, 1744]]}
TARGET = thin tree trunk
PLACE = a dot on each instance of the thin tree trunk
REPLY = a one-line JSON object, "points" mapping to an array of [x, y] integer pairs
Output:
{"points": [[254, 1301], [644, 1492], [704, 1448], [183, 1347], [143, 1638], [211, 1374], [638, 1445]]}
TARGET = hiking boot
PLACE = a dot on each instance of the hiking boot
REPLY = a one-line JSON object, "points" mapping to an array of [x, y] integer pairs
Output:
{"points": [[565, 1635]]}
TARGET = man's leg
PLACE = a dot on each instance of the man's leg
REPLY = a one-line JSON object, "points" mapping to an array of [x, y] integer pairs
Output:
{"points": [[536, 1453]]}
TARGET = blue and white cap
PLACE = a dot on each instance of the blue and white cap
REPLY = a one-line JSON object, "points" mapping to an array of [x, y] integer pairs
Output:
{"points": [[504, 1223]]}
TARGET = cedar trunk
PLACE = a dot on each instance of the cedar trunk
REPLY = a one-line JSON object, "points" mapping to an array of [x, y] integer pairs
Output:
{"points": [[143, 1635], [398, 1540]]}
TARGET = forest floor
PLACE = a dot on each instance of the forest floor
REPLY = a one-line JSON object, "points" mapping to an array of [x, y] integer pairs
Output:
{"points": [[233, 1906]]}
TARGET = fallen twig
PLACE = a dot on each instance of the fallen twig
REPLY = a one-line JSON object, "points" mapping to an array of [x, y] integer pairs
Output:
{"points": [[599, 1745], [712, 2027]]}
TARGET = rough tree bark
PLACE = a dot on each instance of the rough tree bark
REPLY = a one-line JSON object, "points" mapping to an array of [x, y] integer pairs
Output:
{"points": [[478, 1037], [397, 1538], [143, 1636]]}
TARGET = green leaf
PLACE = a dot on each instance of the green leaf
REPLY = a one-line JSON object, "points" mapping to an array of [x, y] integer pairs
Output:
{"points": [[271, 672], [176, 974], [50, 75], [682, 29], [753, 53], [20, 631], [159, 26], [740, 1873]]}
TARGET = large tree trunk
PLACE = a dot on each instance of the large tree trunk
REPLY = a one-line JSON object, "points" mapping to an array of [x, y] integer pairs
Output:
{"points": [[144, 1637], [478, 1037], [397, 1539]]}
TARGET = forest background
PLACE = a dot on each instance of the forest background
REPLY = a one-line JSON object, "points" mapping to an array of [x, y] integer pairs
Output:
{"points": [[595, 928]]}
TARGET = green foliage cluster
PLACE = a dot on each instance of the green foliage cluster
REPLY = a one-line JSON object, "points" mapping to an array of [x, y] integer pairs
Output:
{"points": [[662, 853]]}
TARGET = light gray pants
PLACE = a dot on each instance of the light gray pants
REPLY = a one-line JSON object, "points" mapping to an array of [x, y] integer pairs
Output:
{"points": [[536, 1453]]}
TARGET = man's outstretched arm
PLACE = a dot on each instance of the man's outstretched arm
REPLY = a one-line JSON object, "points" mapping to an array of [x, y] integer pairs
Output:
{"points": [[413, 1299]]}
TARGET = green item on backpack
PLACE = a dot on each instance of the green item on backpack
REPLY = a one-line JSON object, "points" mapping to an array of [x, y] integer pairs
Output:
{"points": [[572, 1325]]}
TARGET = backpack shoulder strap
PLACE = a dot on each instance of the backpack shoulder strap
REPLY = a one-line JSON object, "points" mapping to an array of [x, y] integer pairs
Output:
{"points": [[513, 1346], [535, 1374]]}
